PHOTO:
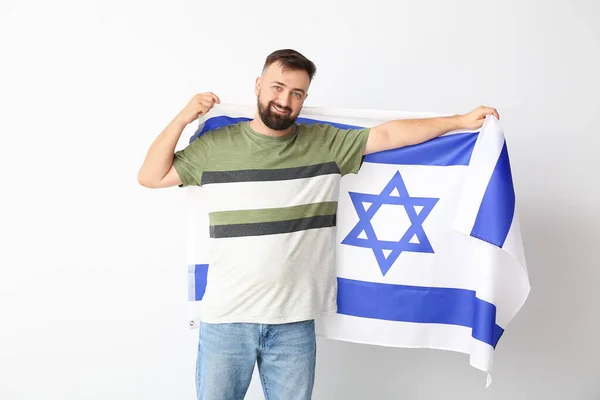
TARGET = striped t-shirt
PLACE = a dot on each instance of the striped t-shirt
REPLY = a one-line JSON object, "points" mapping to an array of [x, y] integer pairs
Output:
{"points": [[272, 205]]}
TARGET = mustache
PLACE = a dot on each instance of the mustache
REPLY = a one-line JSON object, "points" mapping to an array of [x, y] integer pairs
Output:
{"points": [[288, 109]]}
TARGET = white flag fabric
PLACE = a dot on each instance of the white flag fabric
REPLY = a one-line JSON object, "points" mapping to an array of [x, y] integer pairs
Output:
{"points": [[429, 250]]}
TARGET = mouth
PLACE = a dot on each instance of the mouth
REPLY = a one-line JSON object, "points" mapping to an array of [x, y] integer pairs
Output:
{"points": [[280, 110]]}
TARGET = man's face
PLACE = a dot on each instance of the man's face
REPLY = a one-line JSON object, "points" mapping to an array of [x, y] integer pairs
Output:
{"points": [[280, 96]]}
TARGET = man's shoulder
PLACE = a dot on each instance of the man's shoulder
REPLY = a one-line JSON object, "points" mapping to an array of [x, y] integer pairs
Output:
{"points": [[313, 130], [313, 127]]}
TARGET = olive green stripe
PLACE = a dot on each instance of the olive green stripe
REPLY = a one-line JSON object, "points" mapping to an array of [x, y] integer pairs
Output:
{"points": [[272, 228], [272, 214]]}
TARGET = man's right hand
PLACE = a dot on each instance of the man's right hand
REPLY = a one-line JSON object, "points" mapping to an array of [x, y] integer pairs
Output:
{"points": [[200, 104]]}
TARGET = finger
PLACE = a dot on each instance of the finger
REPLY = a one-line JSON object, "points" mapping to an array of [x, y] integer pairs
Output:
{"points": [[208, 97], [493, 112], [215, 97], [209, 103], [203, 110], [205, 98]]}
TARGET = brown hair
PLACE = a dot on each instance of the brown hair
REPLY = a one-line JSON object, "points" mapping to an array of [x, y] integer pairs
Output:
{"points": [[291, 60]]}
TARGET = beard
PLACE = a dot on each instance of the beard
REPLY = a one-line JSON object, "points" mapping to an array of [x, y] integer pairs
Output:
{"points": [[275, 121]]}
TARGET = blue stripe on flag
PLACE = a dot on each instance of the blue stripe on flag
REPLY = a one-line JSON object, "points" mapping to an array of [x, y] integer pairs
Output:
{"points": [[198, 281], [421, 305], [497, 208], [405, 303], [214, 123], [443, 151]]}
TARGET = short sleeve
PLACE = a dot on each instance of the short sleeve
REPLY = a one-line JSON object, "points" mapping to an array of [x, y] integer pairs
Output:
{"points": [[191, 162], [346, 146]]}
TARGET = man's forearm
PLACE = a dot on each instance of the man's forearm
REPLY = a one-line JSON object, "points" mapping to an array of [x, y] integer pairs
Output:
{"points": [[406, 132], [159, 158]]}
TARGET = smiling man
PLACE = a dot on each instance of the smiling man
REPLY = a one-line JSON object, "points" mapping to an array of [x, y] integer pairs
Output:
{"points": [[280, 93], [272, 186]]}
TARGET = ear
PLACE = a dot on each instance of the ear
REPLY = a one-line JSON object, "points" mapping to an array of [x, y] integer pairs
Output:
{"points": [[257, 85]]}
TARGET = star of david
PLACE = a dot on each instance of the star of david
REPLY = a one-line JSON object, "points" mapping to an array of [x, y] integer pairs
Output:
{"points": [[406, 243]]}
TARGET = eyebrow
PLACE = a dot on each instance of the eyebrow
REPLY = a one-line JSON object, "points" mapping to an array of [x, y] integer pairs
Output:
{"points": [[284, 85]]}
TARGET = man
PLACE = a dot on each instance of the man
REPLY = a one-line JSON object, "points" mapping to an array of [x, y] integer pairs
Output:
{"points": [[272, 185]]}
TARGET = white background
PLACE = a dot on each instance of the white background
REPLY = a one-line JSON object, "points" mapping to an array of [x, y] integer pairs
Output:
{"points": [[92, 278]]}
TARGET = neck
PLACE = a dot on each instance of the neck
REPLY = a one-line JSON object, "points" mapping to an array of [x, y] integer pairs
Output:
{"points": [[259, 126]]}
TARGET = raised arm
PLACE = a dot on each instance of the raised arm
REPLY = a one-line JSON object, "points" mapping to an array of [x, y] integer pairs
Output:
{"points": [[157, 171], [406, 132]]}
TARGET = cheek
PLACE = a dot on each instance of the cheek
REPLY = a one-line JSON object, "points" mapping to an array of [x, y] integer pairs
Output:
{"points": [[263, 99], [266, 96], [297, 105]]}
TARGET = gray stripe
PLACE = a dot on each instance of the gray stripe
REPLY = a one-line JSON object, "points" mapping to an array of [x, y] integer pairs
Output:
{"points": [[261, 175], [272, 228]]}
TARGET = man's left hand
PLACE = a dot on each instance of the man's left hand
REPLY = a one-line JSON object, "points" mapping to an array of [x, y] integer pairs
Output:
{"points": [[475, 118]]}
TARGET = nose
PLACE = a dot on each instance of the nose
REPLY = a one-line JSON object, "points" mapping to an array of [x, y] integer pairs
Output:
{"points": [[284, 99]]}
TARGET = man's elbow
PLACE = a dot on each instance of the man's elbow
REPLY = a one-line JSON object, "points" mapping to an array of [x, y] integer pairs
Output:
{"points": [[146, 182], [379, 140]]}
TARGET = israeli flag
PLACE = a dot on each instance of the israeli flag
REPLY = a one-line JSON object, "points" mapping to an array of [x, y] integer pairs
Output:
{"points": [[429, 249]]}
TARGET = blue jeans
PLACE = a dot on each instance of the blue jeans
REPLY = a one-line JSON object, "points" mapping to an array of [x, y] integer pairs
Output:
{"points": [[227, 353]]}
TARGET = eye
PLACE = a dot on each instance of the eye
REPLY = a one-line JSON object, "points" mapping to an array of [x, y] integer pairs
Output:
{"points": [[278, 88], [297, 95]]}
